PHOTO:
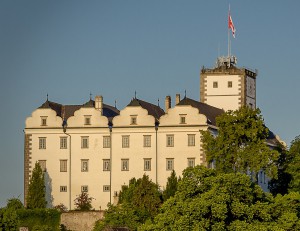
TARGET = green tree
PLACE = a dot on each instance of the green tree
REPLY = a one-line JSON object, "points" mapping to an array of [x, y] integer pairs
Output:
{"points": [[171, 187], [240, 145], [36, 191], [139, 201], [293, 165], [8, 215], [280, 184], [83, 202], [207, 200]]}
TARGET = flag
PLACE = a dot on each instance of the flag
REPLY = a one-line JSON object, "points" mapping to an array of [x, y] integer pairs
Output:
{"points": [[230, 25]]}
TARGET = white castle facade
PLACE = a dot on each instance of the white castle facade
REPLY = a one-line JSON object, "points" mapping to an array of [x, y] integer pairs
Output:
{"points": [[96, 148]]}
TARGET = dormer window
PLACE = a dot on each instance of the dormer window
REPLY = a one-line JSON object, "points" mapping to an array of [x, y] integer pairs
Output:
{"points": [[87, 120], [182, 119], [133, 120], [43, 120]]}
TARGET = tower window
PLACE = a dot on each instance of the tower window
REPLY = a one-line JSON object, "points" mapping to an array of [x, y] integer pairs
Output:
{"points": [[215, 84], [229, 84]]}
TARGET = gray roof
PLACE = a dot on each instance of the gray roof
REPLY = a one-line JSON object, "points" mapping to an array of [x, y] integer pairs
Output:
{"points": [[66, 111], [209, 111], [152, 109]]}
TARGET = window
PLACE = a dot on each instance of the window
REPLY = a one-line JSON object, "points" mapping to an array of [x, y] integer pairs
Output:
{"points": [[133, 120], [170, 164], [170, 140], [125, 164], [106, 165], [84, 188], [63, 142], [191, 140], [215, 84], [63, 188], [106, 188], [106, 141], [191, 162], [43, 120], [42, 163], [63, 165], [42, 142], [229, 84], [84, 165], [182, 119], [125, 141], [84, 142], [147, 164], [87, 120], [147, 141]]}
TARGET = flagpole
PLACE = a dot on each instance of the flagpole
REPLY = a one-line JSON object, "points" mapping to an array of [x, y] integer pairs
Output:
{"points": [[228, 32]]}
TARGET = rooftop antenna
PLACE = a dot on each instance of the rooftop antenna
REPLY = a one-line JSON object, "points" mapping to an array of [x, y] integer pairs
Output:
{"points": [[184, 93], [47, 96]]}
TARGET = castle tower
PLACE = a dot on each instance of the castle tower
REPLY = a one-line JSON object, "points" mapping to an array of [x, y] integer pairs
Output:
{"points": [[227, 86]]}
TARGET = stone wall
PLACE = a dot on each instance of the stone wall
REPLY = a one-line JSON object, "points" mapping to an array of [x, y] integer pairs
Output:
{"points": [[81, 221]]}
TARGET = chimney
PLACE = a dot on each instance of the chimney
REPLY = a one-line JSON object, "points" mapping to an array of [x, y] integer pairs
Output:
{"points": [[167, 103], [177, 100], [99, 103]]}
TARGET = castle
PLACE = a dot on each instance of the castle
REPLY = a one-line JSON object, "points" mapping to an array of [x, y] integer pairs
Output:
{"points": [[96, 148]]}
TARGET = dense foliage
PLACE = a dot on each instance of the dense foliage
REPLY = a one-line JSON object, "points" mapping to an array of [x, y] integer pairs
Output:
{"points": [[139, 201], [36, 197], [293, 165], [171, 187], [14, 215], [207, 200], [240, 145], [83, 202]]}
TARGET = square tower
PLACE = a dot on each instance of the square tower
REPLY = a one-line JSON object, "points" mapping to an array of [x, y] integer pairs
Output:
{"points": [[227, 86]]}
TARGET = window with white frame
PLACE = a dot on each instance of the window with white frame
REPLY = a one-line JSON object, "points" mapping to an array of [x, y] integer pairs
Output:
{"points": [[147, 141], [133, 120], [170, 140], [182, 119], [43, 120], [42, 142], [63, 188], [84, 165], [106, 165], [191, 162], [42, 164], [63, 142], [63, 165], [170, 164], [125, 164], [106, 141], [125, 141], [191, 139], [106, 188], [84, 188], [87, 120], [84, 142], [147, 164]]}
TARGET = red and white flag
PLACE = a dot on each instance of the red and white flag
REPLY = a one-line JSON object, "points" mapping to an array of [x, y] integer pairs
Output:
{"points": [[230, 25]]}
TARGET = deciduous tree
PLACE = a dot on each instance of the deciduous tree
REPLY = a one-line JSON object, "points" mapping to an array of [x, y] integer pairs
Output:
{"points": [[83, 202], [240, 145]]}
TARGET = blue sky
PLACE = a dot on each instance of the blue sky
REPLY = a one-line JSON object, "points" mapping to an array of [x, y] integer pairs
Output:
{"points": [[156, 48]]}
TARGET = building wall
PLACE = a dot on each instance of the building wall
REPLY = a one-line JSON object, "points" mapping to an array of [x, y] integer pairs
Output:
{"points": [[136, 153]]}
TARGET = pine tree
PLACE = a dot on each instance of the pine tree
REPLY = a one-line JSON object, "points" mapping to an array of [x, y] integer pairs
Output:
{"points": [[171, 186], [36, 191]]}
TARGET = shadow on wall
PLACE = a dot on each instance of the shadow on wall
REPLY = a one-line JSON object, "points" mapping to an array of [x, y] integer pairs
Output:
{"points": [[48, 185]]}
